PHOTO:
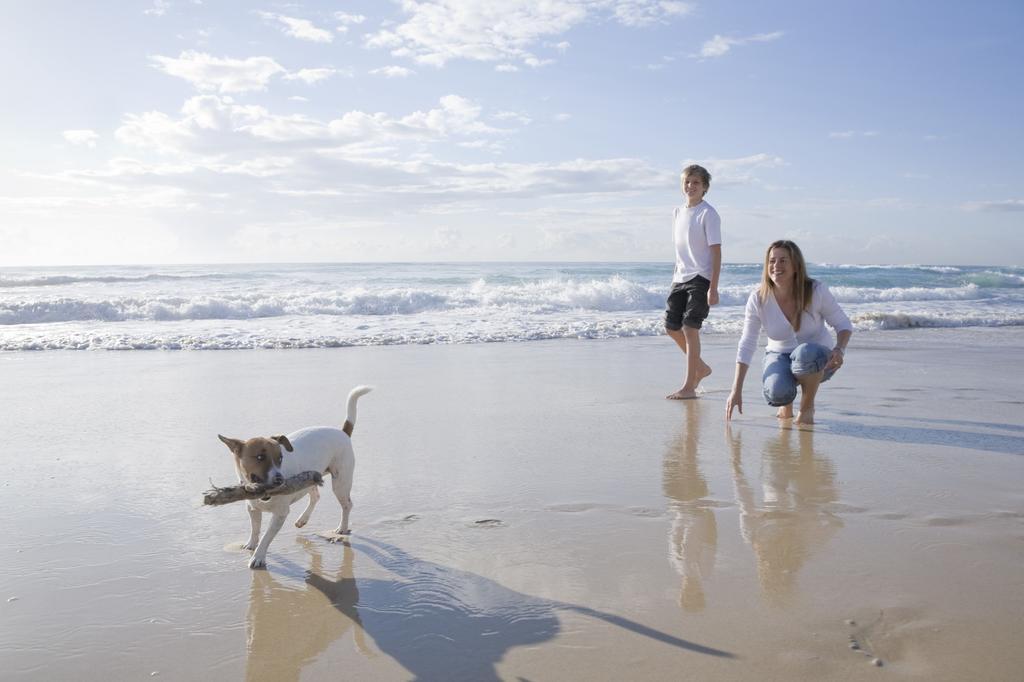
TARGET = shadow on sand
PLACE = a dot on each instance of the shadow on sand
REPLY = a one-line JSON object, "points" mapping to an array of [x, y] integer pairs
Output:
{"points": [[922, 435], [438, 622], [1019, 428]]}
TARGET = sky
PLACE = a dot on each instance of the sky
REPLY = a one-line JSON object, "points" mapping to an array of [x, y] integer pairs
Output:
{"points": [[194, 131]]}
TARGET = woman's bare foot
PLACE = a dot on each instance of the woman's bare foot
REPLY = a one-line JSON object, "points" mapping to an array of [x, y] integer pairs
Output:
{"points": [[785, 412], [683, 394], [805, 417]]}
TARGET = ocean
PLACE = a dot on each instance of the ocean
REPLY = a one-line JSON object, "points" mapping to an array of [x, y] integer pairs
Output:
{"points": [[227, 307]]}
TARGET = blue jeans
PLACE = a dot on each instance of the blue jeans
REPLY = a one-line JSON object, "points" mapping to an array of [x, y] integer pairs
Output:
{"points": [[782, 369]]}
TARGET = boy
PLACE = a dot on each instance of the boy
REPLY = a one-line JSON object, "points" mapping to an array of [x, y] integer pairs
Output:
{"points": [[697, 231]]}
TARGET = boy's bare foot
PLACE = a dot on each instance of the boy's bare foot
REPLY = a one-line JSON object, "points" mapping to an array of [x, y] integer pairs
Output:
{"points": [[690, 393], [805, 417], [683, 394], [703, 373], [785, 412]]}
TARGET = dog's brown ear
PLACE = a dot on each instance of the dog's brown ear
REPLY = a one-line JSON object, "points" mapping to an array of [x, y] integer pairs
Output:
{"points": [[283, 440], [233, 444]]}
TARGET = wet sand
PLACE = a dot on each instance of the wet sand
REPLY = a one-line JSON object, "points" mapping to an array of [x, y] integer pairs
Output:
{"points": [[526, 511]]}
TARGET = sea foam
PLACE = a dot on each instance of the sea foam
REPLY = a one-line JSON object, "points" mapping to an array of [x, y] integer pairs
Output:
{"points": [[337, 305]]}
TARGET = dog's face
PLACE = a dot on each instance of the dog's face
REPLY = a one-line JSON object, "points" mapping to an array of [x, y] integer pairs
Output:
{"points": [[258, 460]]}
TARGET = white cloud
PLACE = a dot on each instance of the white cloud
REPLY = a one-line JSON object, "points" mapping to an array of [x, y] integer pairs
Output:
{"points": [[493, 146], [665, 61], [720, 45], [534, 62], [155, 130], [223, 75], [310, 76], [847, 134], [456, 116], [335, 161], [447, 238], [512, 116], [437, 31], [303, 29], [82, 137], [506, 68], [393, 72], [739, 171], [349, 18], [1007, 206], [561, 118], [158, 9], [643, 13], [211, 124]]}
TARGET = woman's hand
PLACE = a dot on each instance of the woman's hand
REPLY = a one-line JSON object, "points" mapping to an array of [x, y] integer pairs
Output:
{"points": [[736, 396], [835, 360], [735, 400]]}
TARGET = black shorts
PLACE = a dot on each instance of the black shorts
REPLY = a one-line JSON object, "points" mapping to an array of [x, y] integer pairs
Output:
{"points": [[687, 304]]}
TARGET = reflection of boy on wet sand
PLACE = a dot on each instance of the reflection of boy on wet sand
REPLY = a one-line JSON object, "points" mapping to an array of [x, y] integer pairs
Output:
{"points": [[693, 539], [793, 518]]}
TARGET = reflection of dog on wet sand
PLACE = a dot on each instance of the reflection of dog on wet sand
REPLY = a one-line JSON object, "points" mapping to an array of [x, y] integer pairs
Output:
{"points": [[289, 627], [263, 461]]}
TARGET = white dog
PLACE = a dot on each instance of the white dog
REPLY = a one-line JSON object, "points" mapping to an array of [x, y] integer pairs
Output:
{"points": [[271, 460]]}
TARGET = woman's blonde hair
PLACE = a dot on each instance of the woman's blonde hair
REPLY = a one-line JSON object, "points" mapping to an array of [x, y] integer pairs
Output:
{"points": [[803, 286]]}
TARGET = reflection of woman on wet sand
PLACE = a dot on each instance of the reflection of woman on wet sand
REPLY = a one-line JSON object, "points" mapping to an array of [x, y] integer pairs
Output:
{"points": [[793, 518], [792, 309], [693, 539]]}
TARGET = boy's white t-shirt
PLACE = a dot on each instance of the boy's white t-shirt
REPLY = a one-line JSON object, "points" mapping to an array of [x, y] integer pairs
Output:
{"points": [[695, 230]]}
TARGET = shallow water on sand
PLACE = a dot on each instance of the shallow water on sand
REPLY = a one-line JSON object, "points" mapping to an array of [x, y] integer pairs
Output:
{"points": [[522, 511]]}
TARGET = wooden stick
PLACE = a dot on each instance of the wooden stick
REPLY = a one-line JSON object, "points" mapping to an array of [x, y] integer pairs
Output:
{"points": [[237, 493]]}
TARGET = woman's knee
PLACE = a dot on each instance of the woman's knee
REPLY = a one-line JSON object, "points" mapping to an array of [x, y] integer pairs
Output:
{"points": [[809, 358], [779, 389]]}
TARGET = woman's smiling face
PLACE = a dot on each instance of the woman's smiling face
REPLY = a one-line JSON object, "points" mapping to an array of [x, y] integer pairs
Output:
{"points": [[780, 266]]}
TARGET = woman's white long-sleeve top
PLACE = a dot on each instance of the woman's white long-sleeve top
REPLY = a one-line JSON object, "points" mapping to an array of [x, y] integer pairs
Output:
{"points": [[781, 336]]}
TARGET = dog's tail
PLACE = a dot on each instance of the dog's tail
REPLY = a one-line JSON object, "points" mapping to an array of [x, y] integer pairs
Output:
{"points": [[353, 397]]}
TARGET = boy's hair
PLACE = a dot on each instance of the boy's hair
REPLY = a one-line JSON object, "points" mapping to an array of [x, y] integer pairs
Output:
{"points": [[803, 286], [700, 171]]}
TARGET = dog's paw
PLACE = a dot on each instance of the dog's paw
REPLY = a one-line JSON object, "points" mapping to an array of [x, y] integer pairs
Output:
{"points": [[250, 545], [257, 562], [339, 531], [299, 523]]}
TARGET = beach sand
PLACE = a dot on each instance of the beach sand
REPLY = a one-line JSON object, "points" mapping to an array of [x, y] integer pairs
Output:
{"points": [[531, 511]]}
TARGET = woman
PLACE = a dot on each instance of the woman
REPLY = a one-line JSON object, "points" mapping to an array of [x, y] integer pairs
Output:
{"points": [[792, 309]]}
